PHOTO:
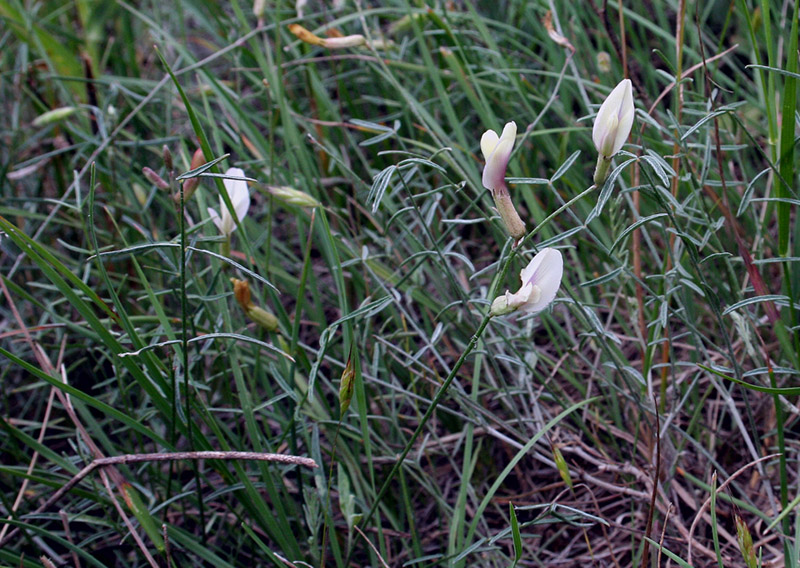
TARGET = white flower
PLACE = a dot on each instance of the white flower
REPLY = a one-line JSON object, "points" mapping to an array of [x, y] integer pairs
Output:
{"points": [[239, 195], [540, 282], [496, 151], [614, 120]]}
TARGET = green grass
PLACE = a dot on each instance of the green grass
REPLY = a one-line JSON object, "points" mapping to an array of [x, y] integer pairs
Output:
{"points": [[666, 368]]}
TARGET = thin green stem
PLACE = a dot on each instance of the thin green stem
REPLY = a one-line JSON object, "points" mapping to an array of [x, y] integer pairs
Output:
{"points": [[185, 363], [428, 413]]}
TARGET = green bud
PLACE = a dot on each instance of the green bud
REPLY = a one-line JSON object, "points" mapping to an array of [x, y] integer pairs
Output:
{"points": [[561, 464], [263, 318], [140, 193], [293, 196], [55, 115]]}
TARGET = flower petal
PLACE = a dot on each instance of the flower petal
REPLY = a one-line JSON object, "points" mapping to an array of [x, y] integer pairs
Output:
{"points": [[520, 298], [626, 114], [614, 120], [238, 192], [489, 142], [545, 272], [214, 216], [494, 173]]}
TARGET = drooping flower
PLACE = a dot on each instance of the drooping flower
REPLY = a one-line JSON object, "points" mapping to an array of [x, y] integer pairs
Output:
{"points": [[540, 282], [496, 151], [239, 195], [612, 126]]}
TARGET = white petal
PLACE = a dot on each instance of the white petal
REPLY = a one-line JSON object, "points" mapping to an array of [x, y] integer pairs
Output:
{"points": [[609, 140], [215, 218], [626, 114], [509, 131], [614, 120], [494, 173], [543, 272], [522, 297], [239, 194], [489, 141]]}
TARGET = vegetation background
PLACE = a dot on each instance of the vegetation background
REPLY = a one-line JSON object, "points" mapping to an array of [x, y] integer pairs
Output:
{"points": [[648, 418]]}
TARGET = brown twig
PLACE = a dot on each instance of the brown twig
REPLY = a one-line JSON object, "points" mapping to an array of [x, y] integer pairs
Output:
{"points": [[372, 546], [121, 512], [65, 523]]}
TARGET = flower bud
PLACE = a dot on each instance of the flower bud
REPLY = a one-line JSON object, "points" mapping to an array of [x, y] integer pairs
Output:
{"points": [[55, 115], [167, 157], [293, 196], [612, 126], [497, 151], [339, 42], [603, 61], [190, 185], [355, 40], [154, 178], [139, 193], [258, 8], [241, 291], [263, 318]]}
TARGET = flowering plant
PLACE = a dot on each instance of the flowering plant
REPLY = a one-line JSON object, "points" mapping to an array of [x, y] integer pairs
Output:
{"points": [[496, 151], [612, 126], [239, 195], [540, 282]]}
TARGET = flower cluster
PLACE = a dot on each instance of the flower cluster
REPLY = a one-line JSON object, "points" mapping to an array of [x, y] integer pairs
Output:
{"points": [[542, 277]]}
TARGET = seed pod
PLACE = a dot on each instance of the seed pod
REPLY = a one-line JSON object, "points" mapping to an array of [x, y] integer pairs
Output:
{"points": [[561, 464], [346, 385]]}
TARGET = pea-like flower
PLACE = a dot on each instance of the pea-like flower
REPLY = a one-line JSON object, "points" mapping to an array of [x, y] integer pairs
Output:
{"points": [[540, 282], [612, 126], [496, 151], [239, 195]]}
